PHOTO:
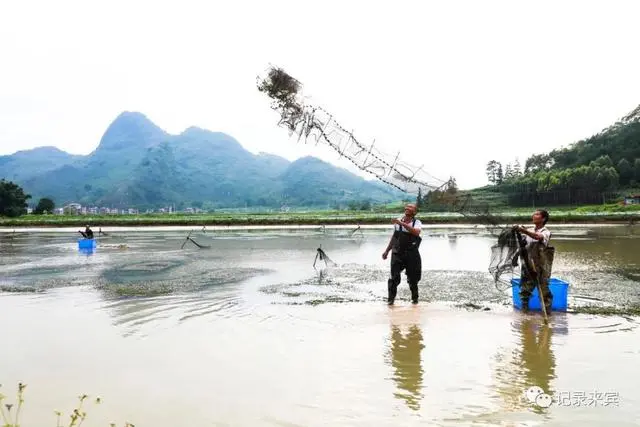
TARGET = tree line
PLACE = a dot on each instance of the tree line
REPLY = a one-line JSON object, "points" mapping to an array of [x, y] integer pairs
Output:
{"points": [[14, 201], [542, 183], [582, 173]]}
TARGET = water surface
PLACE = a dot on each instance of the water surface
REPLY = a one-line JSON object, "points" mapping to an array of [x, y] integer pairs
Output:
{"points": [[247, 332]]}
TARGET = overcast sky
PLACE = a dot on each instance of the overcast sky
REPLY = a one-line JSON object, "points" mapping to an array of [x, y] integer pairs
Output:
{"points": [[451, 84]]}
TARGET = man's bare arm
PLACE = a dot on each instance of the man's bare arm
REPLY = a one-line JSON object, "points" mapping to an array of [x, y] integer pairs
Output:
{"points": [[533, 234], [411, 229], [390, 245]]}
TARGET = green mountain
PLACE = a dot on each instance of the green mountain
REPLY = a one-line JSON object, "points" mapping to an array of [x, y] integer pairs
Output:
{"points": [[620, 141], [137, 164], [595, 170], [24, 164]]}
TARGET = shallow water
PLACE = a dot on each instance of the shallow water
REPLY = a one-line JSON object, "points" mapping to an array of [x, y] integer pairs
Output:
{"points": [[246, 332]]}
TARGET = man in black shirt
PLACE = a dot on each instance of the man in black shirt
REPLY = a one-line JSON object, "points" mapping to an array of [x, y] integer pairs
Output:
{"points": [[87, 233]]}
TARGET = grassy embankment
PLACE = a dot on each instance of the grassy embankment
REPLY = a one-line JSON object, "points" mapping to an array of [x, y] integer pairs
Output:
{"points": [[381, 215]]}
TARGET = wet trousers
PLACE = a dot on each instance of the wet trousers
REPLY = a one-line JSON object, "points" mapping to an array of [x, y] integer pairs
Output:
{"points": [[527, 285], [542, 259], [411, 262]]}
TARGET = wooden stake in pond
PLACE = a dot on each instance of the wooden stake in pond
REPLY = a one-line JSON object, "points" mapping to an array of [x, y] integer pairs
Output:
{"points": [[186, 239], [323, 257], [189, 239]]}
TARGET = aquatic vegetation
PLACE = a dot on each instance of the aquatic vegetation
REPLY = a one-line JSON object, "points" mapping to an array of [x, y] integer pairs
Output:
{"points": [[629, 310], [472, 306], [11, 418]]}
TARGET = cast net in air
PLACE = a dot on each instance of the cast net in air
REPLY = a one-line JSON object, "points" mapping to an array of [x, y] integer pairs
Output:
{"points": [[315, 124]]}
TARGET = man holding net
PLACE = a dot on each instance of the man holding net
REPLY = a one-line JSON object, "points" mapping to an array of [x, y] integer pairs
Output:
{"points": [[405, 255], [540, 256]]}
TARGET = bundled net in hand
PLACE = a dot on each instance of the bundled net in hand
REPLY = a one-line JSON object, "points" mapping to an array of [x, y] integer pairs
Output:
{"points": [[504, 257], [505, 252]]}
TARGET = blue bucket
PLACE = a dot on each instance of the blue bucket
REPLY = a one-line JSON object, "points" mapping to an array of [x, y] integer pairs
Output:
{"points": [[86, 251], [559, 289], [86, 244]]}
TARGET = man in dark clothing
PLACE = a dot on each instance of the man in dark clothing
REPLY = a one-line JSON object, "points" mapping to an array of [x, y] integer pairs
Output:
{"points": [[404, 245], [87, 233]]}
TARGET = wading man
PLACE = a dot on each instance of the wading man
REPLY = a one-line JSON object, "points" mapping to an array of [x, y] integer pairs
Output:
{"points": [[87, 233], [405, 255], [540, 255]]}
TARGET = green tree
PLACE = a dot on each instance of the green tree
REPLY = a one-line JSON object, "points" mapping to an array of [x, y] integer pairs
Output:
{"points": [[499, 174], [626, 171], [492, 172], [636, 170], [509, 173], [604, 161], [13, 200], [419, 198], [517, 169], [538, 162], [44, 205]]}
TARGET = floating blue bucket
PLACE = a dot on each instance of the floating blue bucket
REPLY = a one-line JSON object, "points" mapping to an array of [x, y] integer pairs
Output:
{"points": [[86, 244], [559, 289]]}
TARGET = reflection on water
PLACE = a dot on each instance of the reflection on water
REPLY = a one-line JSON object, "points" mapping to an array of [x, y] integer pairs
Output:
{"points": [[407, 364], [405, 355], [532, 364], [536, 356]]}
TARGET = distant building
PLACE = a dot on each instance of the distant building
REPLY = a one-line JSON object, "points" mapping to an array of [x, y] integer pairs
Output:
{"points": [[72, 209], [632, 200]]}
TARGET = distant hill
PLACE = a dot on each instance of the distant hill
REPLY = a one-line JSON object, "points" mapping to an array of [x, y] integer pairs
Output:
{"points": [[598, 169], [25, 164], [618, 141], [137, 164]]}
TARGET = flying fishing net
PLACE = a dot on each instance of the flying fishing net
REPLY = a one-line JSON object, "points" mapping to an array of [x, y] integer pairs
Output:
{"points": [[313, 123]]}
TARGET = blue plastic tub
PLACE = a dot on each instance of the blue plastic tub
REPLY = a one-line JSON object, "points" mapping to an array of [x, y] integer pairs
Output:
{"points": [[559, 289], [86, 244], [86, 251]]}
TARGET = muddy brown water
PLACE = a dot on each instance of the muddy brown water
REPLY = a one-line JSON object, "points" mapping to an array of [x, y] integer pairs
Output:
{"points": [[246, 332]]}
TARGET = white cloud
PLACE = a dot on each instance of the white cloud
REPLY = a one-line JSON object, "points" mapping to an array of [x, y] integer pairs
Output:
{"points": [[449, 84]]}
